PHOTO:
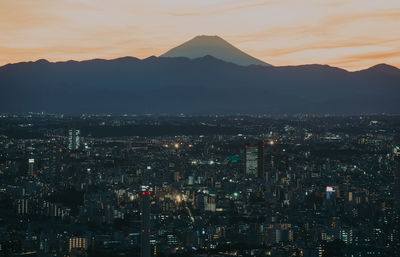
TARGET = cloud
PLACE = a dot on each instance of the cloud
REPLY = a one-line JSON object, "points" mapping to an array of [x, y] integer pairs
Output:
{"points": [[221, 8], [379, 15], [332, 45], [373, 55]]}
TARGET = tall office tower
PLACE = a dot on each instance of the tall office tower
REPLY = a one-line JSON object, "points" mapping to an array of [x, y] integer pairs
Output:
{"points": [[73, 139], [176, 176], [396, 188], [272, 163], [254, 159], [261, 160], [145, 232], [14, 169], [22, 206], [31, 165]]}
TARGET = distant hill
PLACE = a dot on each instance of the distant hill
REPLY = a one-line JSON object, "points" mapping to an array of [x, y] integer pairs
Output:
{"points": [[205, 85], [201, 46]]}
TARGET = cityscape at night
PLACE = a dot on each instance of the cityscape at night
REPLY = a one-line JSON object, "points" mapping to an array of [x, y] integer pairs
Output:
{"points": [[199, 128], [102, 185]]}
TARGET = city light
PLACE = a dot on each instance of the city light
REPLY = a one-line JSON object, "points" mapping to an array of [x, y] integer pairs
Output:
{"points": [[330, 189], [163, 198]]}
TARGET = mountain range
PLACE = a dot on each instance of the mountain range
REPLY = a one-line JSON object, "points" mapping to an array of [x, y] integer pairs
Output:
{"points": [[211, 77]]}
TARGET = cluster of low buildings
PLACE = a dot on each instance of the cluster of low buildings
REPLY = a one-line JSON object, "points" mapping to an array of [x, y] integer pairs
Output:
{"points": [[222, 186]]}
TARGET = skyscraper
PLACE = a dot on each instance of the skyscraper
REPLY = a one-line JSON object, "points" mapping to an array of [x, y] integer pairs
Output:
{"points": [[77, 243], [73, 139], [261, 161], [396, 187], [254, 159], [145, 227], [31, 165]]}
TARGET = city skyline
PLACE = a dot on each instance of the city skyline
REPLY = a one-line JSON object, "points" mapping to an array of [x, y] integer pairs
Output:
{"points": [[324, 186], [199, 128], [353, 35]]}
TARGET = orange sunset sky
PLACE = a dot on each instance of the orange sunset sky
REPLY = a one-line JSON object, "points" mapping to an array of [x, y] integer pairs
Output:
{"points": [[351, 34]]}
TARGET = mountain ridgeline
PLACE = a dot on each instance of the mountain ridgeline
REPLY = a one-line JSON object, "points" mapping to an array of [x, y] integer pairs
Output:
{"points": [[203, 85]]}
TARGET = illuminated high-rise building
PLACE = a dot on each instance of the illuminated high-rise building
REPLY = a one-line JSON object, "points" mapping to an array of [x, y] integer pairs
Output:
{"points": [[330, 192], [77, 243], [261, 161], [22, 206], [254, 159], [176, 176], [73, 139], [145, 223], [396, 186], [31, 166]]}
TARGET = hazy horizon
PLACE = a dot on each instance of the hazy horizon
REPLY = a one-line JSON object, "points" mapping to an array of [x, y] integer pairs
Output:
{"points": [[353, 34]]}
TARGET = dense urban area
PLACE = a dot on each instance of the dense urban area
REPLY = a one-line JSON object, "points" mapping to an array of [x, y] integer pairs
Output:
{"points": [[103, 185]]}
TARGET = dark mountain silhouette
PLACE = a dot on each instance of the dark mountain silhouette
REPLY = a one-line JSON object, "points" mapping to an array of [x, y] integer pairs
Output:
{"points": [[204, 85], [201, 46]]}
